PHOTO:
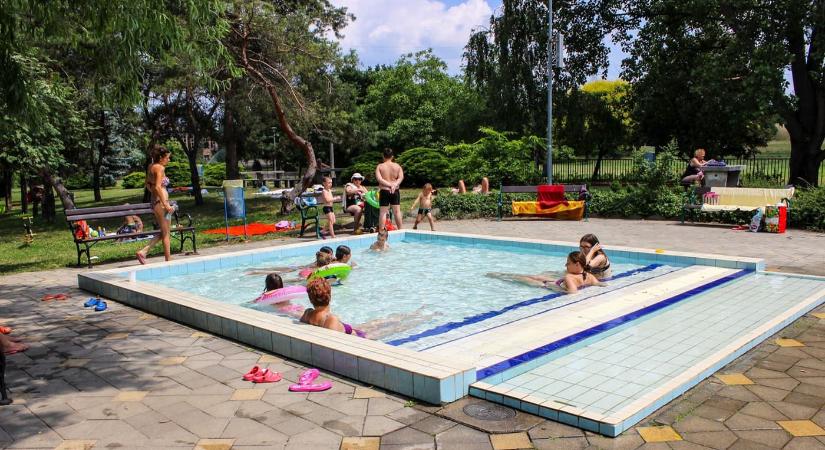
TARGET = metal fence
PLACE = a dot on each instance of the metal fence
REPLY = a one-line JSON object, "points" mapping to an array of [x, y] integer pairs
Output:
{"points": [[757, 172]]}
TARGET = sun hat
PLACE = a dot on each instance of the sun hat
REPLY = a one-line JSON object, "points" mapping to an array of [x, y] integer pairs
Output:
{"points": [[356, 175]]}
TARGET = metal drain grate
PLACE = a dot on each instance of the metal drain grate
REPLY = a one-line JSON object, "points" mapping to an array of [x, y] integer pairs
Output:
{"points": [[489, 411]]}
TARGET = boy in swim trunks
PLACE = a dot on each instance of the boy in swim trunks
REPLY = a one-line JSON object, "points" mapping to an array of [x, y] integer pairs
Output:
{"points": [[329, 199], [389, 175], [424, 201]]}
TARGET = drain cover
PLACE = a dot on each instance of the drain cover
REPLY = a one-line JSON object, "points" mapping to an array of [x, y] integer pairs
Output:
{"points": [[489, 411]]}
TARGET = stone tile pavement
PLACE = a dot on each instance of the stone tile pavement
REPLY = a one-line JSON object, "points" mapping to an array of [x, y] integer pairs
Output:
{"points": [[125, 379]]}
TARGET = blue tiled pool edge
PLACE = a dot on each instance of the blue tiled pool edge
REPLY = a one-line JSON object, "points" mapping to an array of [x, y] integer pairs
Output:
{"points": [[417, 375], [616, 426]]}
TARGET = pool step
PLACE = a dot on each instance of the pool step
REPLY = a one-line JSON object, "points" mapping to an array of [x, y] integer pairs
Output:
{"points": [[610, 381], [496, 346]]}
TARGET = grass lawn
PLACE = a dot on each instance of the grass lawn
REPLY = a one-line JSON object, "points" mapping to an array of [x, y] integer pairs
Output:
{"points": [[53, 245]]}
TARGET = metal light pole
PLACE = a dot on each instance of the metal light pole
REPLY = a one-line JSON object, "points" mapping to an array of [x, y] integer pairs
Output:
{"points": [[274, 149], [548, 167]]}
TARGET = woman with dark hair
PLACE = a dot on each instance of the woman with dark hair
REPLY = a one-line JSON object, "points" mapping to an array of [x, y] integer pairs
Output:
{"points": [[596, 259], [156, 183]]}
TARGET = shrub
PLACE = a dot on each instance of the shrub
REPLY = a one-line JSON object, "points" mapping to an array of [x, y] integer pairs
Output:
{"points": [[213, 174], [78, 181], [178, 173], [495, 156], [363, 164], [424, 165], [134, 180], [808, 209]]}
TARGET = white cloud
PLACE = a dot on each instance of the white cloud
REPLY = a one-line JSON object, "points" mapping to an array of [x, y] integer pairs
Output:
{"points": [[386, 29]]}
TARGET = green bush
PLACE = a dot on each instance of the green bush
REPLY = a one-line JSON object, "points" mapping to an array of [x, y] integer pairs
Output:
{"points": [[808, 209], [213, 174], [134, 180], [178, 173], [365, 165], [424, 165], [78, 181]]}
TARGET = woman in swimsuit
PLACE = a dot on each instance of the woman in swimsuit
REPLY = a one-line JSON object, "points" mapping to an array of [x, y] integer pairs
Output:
{"points": [[597, 262], [156, 183], [320, 295]]}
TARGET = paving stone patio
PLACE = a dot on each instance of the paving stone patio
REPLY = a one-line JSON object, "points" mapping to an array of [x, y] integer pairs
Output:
{"points": [[126, 379]]}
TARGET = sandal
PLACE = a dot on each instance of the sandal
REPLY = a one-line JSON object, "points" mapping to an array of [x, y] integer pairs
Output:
{"points": [[309, 376], [54, 297], [101, 306], [92, 301], [5, 330], [311, 387], [252, 373], [267, 376]]}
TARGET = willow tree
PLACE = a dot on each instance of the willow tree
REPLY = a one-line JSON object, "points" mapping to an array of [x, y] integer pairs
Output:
{"points": [[280, 46], [507, 62]]}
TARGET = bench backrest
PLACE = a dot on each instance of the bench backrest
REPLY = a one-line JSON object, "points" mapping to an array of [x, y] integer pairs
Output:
{"points": [[105, 212], [575, 188], [751, 196]]}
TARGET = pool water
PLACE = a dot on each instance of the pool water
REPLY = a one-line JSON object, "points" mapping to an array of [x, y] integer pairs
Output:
{"points": [[404, 294]]}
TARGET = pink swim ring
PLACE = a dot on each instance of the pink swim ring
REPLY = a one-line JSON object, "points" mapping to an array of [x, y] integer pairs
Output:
{"points": [[282, 295]]}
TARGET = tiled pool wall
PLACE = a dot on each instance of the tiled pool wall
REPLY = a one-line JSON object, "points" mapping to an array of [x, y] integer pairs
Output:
{"points": [[419, 375], [614, 425]]}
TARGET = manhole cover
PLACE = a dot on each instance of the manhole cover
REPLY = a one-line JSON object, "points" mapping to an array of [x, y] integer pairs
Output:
{"points": [[489, 412]]}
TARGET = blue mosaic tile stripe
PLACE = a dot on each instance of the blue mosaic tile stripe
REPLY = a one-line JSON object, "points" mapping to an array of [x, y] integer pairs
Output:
{"points": [[582, 335], [449, 326]]}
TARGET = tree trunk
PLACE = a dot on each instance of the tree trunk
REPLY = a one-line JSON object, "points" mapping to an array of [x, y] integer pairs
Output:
{"points": [[192, 157], [24, 201], [598, 167], [49, 210], [8, 179], [231, 141], [66, 197], [806, 159], [102, 151]]}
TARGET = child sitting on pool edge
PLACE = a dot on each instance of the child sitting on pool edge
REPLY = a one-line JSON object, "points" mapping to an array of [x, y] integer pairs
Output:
{"points": [[320, 315], [381, 243]]}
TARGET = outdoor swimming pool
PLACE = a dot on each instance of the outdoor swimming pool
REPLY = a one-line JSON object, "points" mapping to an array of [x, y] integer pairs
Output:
{"points": [[601, 360], [420, 286]]}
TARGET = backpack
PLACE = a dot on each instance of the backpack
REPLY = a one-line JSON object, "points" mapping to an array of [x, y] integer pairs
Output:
{"points": [[81, 230]]}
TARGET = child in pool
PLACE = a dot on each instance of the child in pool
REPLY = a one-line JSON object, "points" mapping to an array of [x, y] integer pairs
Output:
{"points": [[381, 243], [575, 276], [343, 254], [328, 210], [273, 282], [320, 315], [424, 201], [321, 260], [597, 262], [286, 269]]}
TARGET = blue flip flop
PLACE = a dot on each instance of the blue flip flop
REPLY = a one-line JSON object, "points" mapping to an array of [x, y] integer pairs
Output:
{"points": [[92, 301], [101, 306]]}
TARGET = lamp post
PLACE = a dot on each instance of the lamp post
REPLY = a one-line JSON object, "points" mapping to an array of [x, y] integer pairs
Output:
{"points": [[274, 148], [548, 167]]}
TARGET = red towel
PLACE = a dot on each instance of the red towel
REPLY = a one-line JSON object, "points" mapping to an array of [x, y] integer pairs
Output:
{"points": [[551, 195], [252, 229]]}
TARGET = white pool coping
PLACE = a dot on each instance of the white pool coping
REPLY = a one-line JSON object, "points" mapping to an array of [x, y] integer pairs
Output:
{"points": [[434, 378]]}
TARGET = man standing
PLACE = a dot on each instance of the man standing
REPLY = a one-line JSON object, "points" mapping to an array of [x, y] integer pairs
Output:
{"points": [[389, 175]]}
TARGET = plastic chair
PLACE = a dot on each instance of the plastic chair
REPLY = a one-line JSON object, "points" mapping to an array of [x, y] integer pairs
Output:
{"points": [[307, 206]]}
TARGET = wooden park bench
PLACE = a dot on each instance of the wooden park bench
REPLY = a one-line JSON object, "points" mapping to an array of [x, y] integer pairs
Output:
{"points": [[734, 199], [178, 231], [580, 190]]}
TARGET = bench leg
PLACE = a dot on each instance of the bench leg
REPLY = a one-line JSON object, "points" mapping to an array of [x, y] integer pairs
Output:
{"points": [[79, 252], [4, 397], [89, 256], [194, 244]]}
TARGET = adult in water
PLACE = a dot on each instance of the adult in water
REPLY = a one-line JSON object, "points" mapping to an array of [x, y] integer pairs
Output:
{"points": [[389, 175], [597, 262], [574, 277], [156, 183]]}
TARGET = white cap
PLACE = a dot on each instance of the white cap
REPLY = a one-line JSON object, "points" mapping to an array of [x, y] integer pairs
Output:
{"points": [[356, 175]]}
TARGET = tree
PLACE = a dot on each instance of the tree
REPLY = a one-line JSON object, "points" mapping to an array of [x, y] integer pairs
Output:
{"points": [[279, 45], [507, 63], [596, 120], [416, 103], [711, 74]]}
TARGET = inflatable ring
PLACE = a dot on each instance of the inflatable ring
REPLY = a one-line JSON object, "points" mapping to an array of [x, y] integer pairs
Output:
{"points": [[281, 295], [335, 270], [371, 198]]}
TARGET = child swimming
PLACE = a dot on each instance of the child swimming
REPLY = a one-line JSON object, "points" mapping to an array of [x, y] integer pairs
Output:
{"points": [[381, 243], [286, 269], [574, 277], [424, 201], [343, 254]]}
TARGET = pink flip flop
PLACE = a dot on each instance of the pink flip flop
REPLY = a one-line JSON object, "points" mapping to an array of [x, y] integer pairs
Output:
{"points": [[311, 387], [141, 258], [253, 372], [267, 376], [309, 376]]}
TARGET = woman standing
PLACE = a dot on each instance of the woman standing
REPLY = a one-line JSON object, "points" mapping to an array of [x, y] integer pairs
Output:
{"points": [[156, 183]]}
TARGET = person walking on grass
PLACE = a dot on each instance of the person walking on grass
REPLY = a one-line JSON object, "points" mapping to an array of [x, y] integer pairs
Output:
{"points": [[156, 183], [389, 175]]}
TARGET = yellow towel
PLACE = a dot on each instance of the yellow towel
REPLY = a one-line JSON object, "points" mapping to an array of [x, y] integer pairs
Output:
{"points": [[574, 210]]}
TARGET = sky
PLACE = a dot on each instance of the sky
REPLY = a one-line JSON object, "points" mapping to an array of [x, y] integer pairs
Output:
{"points": [[386, 29]]}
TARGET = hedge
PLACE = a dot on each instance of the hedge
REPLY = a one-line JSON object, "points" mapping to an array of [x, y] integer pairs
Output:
{"points": [[807, 210]]}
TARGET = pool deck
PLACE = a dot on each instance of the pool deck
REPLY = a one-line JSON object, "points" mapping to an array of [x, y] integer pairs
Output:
{"points": [[128, 379]]}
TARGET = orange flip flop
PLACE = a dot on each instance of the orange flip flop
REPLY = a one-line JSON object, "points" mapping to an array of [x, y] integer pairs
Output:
{"points": [[54, 297], [5, 330]]}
